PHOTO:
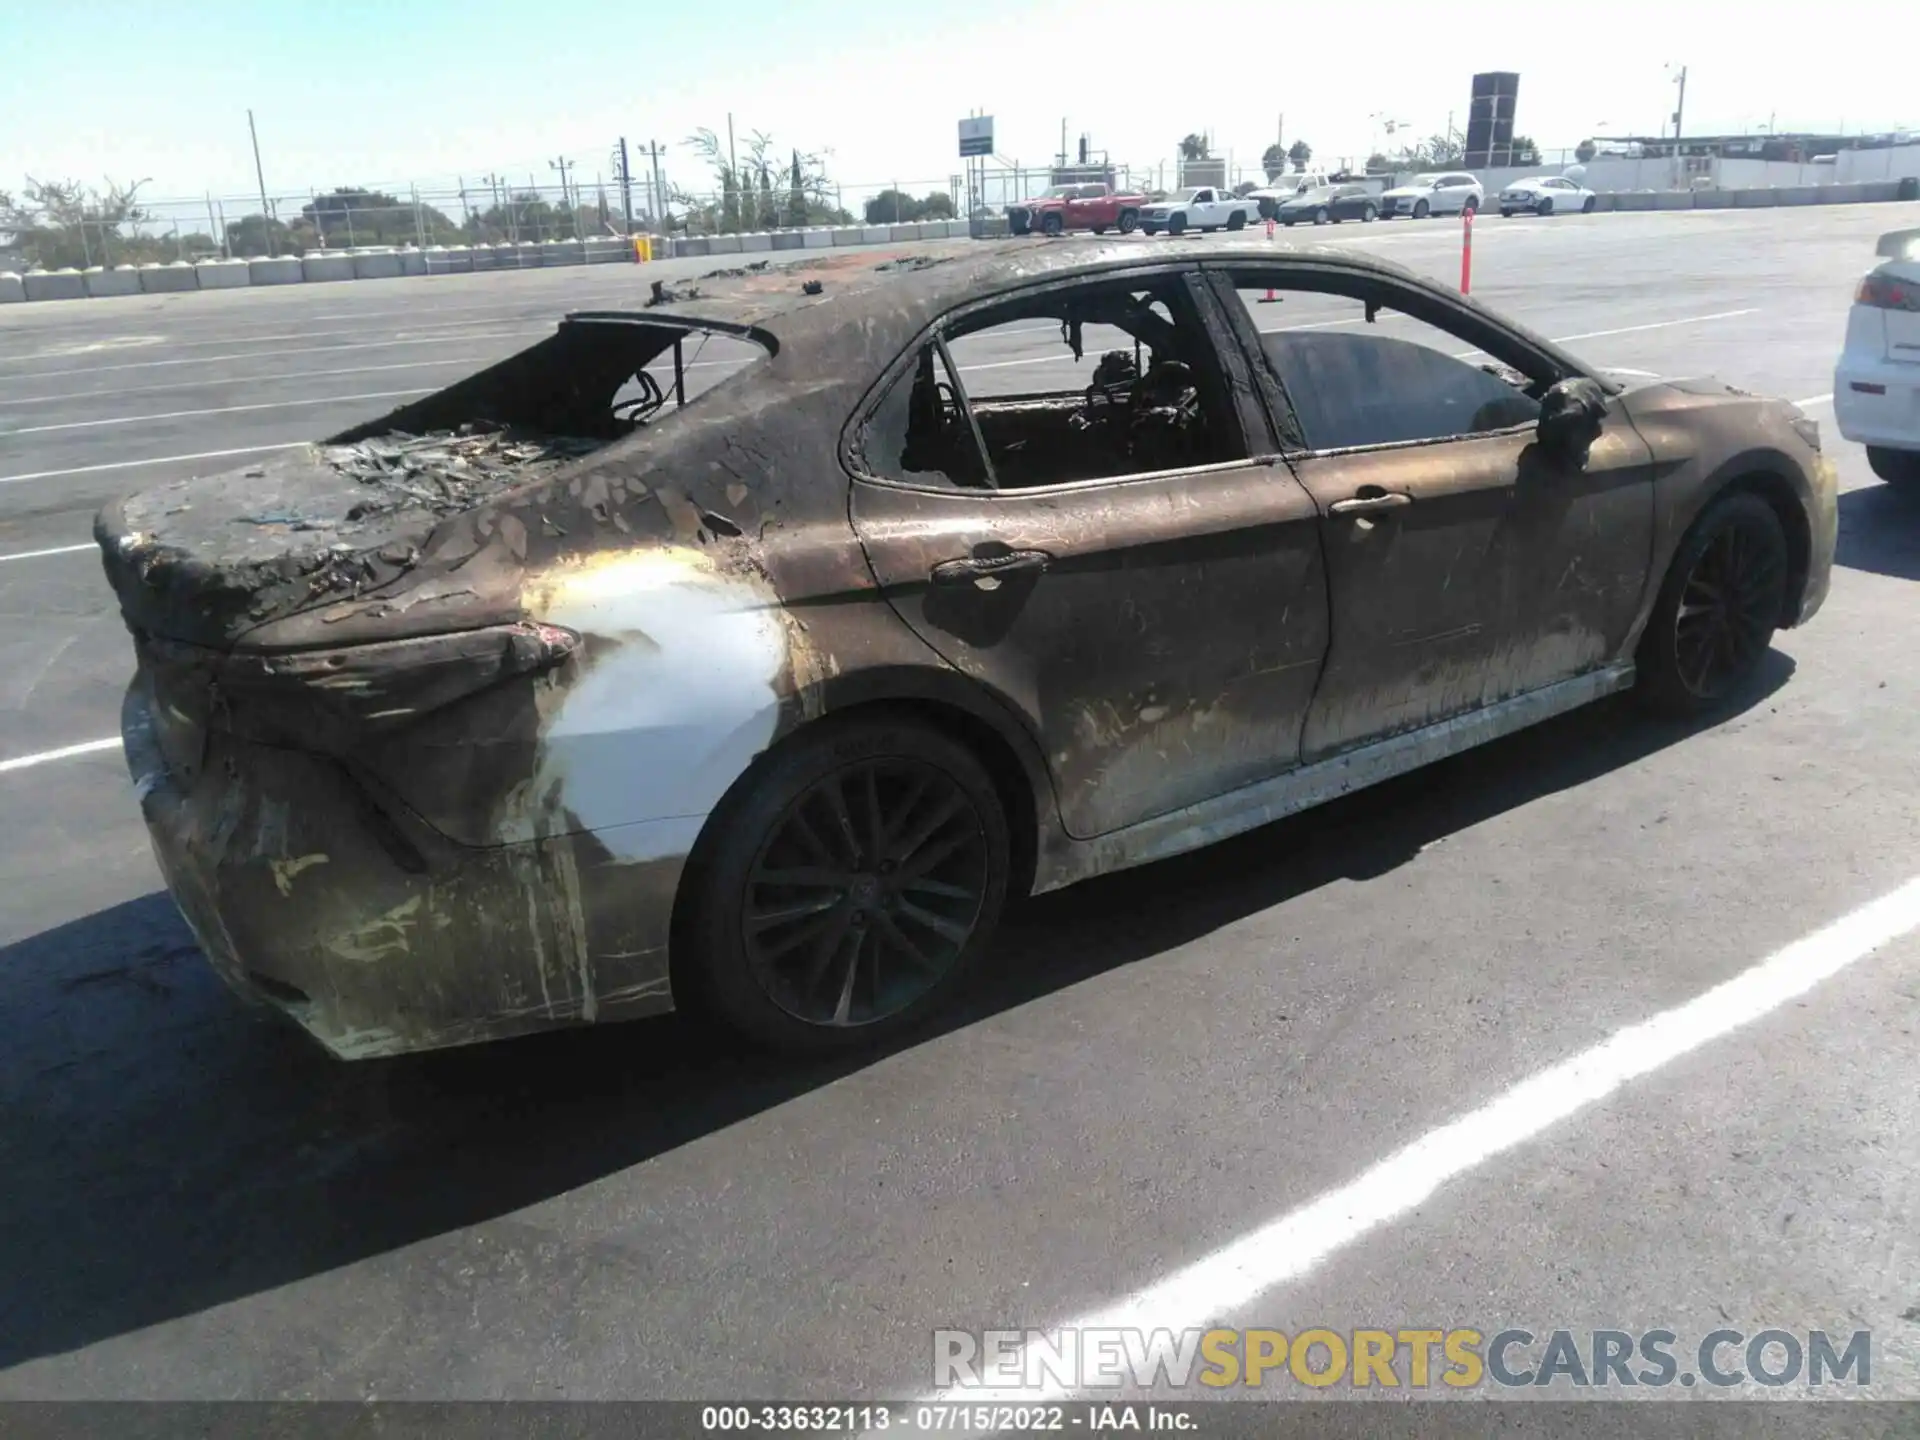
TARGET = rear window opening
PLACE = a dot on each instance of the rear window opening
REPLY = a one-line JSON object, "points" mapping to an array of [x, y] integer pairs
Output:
{"points": [[599, 378]]}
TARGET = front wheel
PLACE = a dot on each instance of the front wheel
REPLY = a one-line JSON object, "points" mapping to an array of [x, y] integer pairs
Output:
{"points": [[1896, 467], [1717, 609], [849, 891], [1421, 209], [1052, 225], [1129, 221], [1177, 225]]}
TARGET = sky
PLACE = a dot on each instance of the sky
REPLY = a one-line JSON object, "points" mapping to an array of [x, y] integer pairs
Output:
{"points": [[367, 93]]}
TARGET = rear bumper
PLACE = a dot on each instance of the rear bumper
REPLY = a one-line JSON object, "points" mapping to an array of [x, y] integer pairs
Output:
{"points": [[1890, 418], [312, 894]]}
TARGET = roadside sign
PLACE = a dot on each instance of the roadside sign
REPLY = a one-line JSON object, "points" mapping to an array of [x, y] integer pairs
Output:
{"points": [[976, 135]]}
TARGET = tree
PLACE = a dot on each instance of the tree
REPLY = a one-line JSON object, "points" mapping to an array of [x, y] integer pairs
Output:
{"points": [[745, 189], [1523, 151], [1439, 150], [62, 223], [1585, 151], [796, 195], [1274, 162], [937, 206], [892, 207], [1299, 153], [1195, 147], [1378, 164], [349, 215]]}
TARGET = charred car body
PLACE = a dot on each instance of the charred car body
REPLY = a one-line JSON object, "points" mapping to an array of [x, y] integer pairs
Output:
{"points": [[556, 697]]}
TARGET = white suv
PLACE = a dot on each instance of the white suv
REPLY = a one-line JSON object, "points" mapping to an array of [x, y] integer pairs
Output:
{"points": [[1876, 385], [1435, 193]]}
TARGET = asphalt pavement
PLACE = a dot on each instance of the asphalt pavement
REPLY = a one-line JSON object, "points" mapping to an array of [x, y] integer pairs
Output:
{"points": [[199, 1204]]}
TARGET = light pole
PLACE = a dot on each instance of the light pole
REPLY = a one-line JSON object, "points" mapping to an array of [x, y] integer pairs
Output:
{"points": [[259, 174]]}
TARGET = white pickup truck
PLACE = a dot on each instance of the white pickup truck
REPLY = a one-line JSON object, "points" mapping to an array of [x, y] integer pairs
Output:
{"points": [[1204, 208]]}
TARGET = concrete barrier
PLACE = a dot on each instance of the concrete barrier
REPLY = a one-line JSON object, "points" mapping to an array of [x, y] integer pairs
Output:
{"points": [[903, 232], [169, 279], [529, 254], [1673, 200], [694, 245], [757, 241], [1753, 199], [563, 252], [1797, 195], [276, 270], [607, 250], [413, 261], [789, 239], [1633, 200], [1713, 199], [121, 280], [875, 234], [329, 266], [846, 235], [13, 289], [816, 238], [377, 265], [447, 259], [66, 284], [1881, 191], [223, 274], [723, 245]]}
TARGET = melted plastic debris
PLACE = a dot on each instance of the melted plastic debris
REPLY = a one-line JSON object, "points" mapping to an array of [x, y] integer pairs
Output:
{"points": [[448, 469]]}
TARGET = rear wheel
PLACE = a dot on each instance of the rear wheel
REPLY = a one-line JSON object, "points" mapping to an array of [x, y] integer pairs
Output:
{"points": [[1099, 229], [1587, 207], [1717, 609], [1237, 220], [1896, 467], [852, 889], [1505, 213], [1545, 207], [1129, 219], [1471, 207], [1320, 216], [1369, 215]]}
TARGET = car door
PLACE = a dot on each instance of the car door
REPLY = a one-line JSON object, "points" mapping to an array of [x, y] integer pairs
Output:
{"points": [[1159, 627], [1200, 209], [1465, 568]]}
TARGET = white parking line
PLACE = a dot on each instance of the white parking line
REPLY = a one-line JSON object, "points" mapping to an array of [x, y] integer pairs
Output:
{"points": [[1813, 400], [149, 460], [291, 350], [1299, 1242], [12, 403], [56, 550], [25, 762], [1656, 325], [217, 410]]}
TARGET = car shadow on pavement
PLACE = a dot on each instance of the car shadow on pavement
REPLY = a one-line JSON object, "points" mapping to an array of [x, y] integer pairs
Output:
{"points": [[167, 1150], [1880, 531]]}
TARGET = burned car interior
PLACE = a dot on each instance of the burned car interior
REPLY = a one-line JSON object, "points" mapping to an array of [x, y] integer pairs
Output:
{"points": [[1154, 402]]}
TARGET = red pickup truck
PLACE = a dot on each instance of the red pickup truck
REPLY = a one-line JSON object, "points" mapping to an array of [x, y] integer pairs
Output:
{"points": [[1076, 207]]}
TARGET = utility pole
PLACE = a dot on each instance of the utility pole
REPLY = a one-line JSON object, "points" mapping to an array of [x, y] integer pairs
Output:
{"points": [[733, 162], [1680, 105], [626, 185], [266, 217], [660, 186], [563, 165]]}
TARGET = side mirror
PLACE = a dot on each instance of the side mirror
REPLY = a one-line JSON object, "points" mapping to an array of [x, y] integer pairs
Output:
{"points": [[1571, 417]]}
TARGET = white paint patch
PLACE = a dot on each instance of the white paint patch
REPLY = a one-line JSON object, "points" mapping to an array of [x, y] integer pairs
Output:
{"points": [[94, 347], [66, 752], [1297, 1243], [677, 698]]}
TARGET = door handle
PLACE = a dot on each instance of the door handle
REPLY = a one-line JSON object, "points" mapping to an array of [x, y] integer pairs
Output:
{"points": [[1370, 504], [990, 567]]}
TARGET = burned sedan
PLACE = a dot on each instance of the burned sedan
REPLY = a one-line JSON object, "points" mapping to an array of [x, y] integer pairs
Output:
{"points": [[573, 692]]}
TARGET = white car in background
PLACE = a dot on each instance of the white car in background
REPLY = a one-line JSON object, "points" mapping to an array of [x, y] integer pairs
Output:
{"points": [[1439, 192], [1876, 385], [1268, 199], [1546, 195], [1203, 208]]}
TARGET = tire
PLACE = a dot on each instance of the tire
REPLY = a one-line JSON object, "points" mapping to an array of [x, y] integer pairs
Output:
{"points": [[1369, 215], [1129, 221], [1237, 220], [1320, 216], [1176, 224], [1896, 467], [1735, 549], [752, 973], [1051, 225], [1587, 207], [1099, 229], [1545, 207], [1287, 223], [1421, 209], [1505, 213], [1151, 229], [1471, 207]]}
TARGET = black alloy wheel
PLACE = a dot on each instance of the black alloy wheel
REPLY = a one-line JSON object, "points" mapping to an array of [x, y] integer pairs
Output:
{"points": [[1718, 609], [851, 888]]}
